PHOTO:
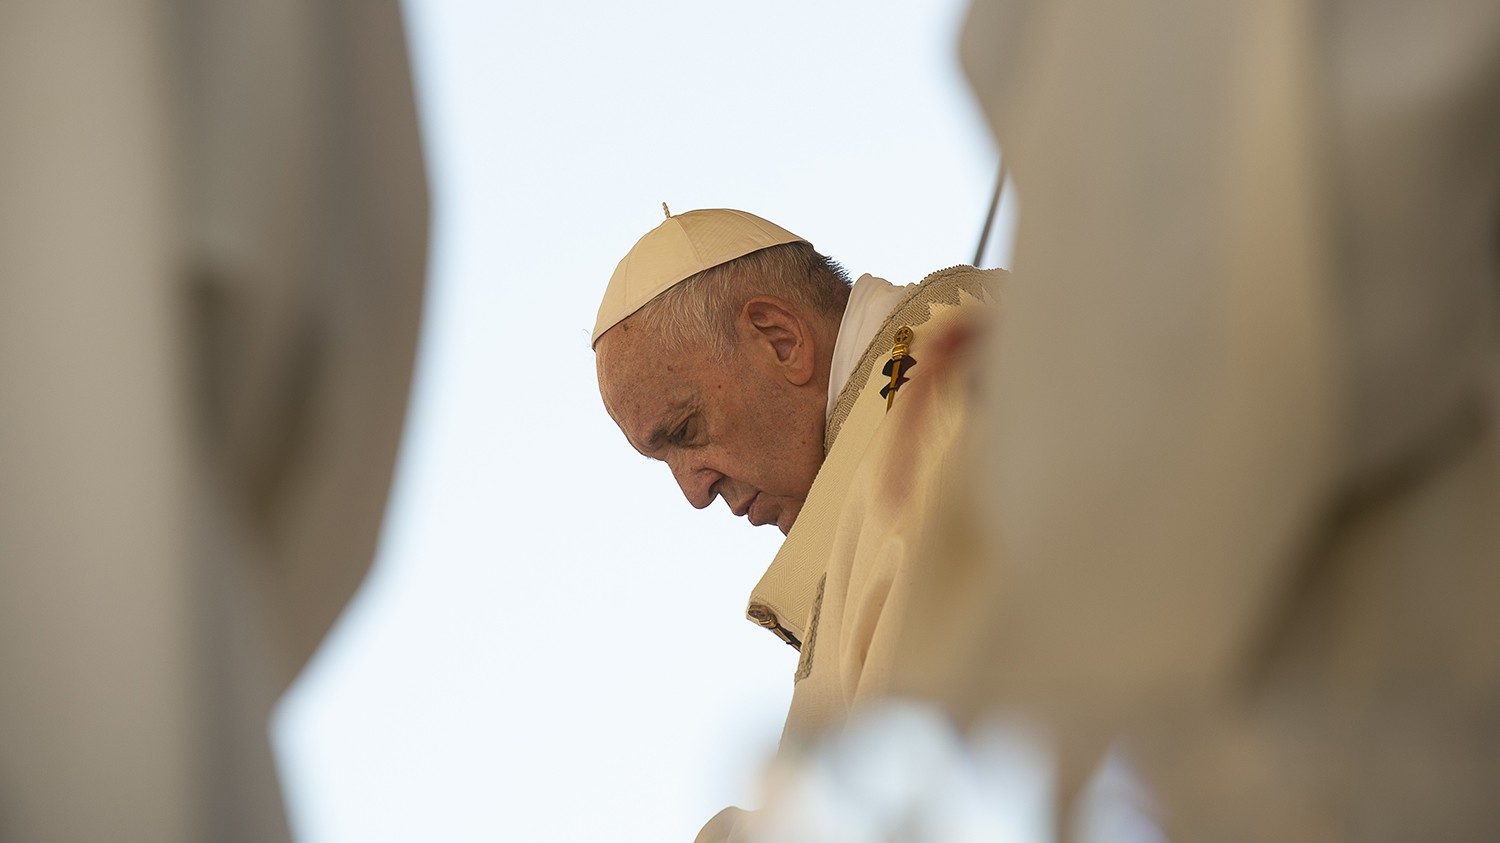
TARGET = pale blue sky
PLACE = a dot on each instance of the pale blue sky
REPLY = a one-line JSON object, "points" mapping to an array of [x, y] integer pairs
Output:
{"points": [[552, 643]]}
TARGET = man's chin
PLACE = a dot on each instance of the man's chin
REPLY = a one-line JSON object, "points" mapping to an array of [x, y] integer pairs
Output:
{"points": [[786, 518], [783, 516]]}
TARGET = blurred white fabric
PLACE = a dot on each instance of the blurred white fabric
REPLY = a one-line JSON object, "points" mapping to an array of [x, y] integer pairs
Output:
{"points": [[214, 238]]}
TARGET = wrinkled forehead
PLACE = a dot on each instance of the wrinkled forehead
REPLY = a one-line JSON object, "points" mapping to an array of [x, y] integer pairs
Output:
{"points": [[639, 383], [621, 357]]}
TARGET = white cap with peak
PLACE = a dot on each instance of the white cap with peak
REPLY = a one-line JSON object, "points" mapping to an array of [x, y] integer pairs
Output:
{"points": [[681, 247]]}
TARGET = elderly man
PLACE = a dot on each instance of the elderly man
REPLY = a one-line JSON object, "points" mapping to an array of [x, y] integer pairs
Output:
{"points": [[731, 350]]}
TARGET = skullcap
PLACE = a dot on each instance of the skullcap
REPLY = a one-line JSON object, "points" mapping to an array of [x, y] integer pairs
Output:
{"points": [[681, 247]]}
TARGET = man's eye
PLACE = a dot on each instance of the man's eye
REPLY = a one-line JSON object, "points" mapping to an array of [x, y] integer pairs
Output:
{"points": [[680, 435]]}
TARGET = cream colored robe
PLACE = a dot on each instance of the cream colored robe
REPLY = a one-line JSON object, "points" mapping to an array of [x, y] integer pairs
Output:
{"points": [[839, 585]]}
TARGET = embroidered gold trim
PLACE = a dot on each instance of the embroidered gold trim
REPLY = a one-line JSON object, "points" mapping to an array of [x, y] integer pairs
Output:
{"points": [[899, 351], [805, 662], [941, 287], [763, 616]]}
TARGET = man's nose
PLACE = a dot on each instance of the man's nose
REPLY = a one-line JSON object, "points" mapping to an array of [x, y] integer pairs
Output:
{"points": [[696, 482]]}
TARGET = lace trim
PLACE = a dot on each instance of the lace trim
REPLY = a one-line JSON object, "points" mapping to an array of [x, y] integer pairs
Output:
{"points": [[941, 287]]}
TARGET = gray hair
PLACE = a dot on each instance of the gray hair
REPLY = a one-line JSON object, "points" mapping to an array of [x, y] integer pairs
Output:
{"points": [[700, 311]]}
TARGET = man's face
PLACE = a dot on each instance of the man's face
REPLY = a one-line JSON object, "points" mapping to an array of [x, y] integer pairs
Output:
{"points": [[738, 428]]}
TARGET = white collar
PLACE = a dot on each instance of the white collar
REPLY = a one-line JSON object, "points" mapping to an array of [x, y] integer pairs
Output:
{"points": [[871, 300]]}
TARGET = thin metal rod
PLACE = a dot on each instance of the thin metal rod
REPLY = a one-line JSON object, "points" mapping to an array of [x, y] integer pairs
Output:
{"points": [[989, 219]]}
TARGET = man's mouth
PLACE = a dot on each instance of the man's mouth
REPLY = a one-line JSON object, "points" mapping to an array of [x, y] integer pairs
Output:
{"points": [[742, 511], [758, 519]]}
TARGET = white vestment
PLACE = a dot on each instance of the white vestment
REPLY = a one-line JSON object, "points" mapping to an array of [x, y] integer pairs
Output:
{"points": [[871, 300], [838, 589]]}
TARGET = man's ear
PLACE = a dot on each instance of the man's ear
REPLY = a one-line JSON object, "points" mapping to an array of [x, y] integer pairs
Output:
{"points": [[775, 326]]}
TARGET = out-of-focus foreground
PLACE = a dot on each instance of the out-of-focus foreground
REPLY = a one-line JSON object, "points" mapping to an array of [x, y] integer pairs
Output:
{"points": [[213, 240], [1237, 486], [1233, 514]]}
